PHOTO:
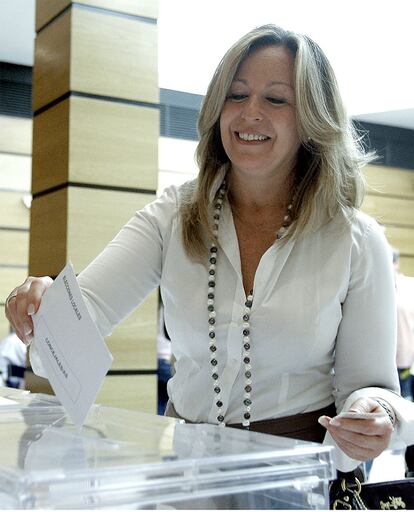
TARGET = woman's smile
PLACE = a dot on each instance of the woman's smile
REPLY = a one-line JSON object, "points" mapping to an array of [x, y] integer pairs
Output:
{"points": [[251, 138]]}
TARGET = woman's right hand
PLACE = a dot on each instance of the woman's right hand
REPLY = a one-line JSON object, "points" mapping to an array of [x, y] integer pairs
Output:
{"points": [[23, 302]]}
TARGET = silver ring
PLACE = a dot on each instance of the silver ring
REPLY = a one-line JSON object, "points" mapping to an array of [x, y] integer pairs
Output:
{"points": [[11, 296]]}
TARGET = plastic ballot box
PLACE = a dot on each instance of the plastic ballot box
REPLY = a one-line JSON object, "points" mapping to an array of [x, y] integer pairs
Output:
{"points": [[128, 460]]}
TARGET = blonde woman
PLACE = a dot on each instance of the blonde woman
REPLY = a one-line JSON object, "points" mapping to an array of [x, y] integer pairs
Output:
{"points": [[278, 292]]}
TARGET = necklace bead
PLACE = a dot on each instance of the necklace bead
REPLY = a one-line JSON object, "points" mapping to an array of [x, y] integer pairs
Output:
{"points": [[247, 401]]}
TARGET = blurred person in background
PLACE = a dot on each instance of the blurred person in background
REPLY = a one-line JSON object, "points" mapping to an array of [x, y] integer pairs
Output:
{"points": [[164, 372], [12, 361], [404, 286]]}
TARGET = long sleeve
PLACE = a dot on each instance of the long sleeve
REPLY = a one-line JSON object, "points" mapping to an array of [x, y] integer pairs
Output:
{"points": [[365, 346], [129, 268]]}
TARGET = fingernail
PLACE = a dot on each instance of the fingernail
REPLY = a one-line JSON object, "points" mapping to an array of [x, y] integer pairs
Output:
{"points": [[335, 422], [323, 421], [29, 339], [27, 329], [30, 310]]}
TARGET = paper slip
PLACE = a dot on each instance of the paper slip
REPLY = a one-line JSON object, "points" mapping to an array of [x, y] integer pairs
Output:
{"points": [[71, 349]]}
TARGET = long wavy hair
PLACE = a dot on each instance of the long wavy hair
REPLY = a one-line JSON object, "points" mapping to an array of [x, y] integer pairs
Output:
{"points": [[328, 176]]}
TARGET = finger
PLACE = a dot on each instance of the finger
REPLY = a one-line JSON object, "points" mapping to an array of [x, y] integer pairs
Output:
{"points": [[35, 293], [23, 322], [12, 313], [27, 300], [359, 446], [356, 452], [34, 288], [358, 440], [379, 439], [364, 405], [372, 427], [10, 306], [324, 421]]}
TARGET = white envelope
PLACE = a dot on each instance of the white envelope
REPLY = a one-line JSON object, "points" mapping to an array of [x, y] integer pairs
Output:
{"points": [[72, 351]]}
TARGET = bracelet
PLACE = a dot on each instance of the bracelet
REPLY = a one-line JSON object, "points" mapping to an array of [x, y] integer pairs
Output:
{"points": [[390, 415]]}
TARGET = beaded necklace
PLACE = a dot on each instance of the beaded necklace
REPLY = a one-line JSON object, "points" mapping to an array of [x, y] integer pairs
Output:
{"points": [[247, 400]]}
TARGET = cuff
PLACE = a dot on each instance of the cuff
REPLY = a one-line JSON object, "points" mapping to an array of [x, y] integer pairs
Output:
{"points": [[404, 427]]}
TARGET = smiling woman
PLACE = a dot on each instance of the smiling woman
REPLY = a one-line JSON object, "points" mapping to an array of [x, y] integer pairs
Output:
{"points": [[278, 292], [258, 120]]}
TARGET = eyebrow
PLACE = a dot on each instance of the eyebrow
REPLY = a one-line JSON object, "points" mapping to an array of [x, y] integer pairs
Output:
{"points": [[245, 82]]}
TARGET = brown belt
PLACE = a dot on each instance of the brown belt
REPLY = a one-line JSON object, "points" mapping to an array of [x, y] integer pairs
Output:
{"points": [[299, 426]]}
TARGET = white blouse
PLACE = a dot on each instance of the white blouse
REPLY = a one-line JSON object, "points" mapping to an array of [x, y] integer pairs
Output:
{"points": [[323, 321]]}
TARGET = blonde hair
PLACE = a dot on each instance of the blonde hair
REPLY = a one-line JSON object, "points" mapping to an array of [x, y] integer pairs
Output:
{"points": [[328, 172]]}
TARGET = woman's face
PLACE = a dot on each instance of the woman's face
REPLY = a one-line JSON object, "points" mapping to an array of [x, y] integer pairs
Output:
{"points": [[258, 120]]}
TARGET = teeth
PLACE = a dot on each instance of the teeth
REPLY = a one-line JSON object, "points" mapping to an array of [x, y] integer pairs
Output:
{"points": [[252, 136]]}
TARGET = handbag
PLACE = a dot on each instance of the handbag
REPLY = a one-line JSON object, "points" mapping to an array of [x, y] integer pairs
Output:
{"points": [[351, 494]]}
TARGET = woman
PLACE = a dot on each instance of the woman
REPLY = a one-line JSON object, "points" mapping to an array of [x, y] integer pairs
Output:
{"points": [[278, 292]]}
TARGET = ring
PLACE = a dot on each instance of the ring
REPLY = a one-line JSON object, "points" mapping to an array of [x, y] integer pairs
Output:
{"points": [[11, 296]]}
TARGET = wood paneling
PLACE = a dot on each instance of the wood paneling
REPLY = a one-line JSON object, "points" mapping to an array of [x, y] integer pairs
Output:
{"points": [[133, 342], [135, 392], [37, 384], [407, 265], [77, 45], [147, 8], [47, 254], [4, 323], [15, 172], [91, 49], [15, 168], [48, 9], [390, 201], [390, 180], [9, 279], [95, 217], [390, 210], [14, 247], [15, 135], [52, 61], [113, 144], [76, 224], [103, 143], [402, 238], [51, 147], [13, 212], [124, 65]]}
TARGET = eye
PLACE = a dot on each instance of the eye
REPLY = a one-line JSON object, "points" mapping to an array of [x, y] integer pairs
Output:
{"points": [[236, 97], [276, 101]]}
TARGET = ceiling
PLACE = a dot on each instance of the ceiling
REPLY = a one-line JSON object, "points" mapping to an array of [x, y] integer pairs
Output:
{"points": [[399, 118]]}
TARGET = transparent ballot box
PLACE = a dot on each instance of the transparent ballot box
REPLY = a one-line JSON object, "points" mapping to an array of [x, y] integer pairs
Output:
{"points": [[130, 460]]}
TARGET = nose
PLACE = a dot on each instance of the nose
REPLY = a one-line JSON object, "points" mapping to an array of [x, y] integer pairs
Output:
{"points": [[251, 110]]}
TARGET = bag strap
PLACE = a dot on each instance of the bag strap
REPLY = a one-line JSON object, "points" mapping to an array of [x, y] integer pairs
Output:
{"points": [[351, 496]]}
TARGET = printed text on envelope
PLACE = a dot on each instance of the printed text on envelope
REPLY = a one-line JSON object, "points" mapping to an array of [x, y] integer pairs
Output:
{"points": [[57, 364]]}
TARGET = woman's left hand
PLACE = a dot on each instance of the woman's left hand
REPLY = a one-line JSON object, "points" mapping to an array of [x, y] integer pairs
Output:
{"points": [[361, 439]]}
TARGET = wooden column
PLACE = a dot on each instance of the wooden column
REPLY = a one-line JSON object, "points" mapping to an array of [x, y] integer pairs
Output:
{"points": [[95, 157]]}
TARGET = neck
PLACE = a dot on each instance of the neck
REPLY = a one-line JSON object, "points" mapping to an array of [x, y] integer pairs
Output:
{"points": [[257, 194]]}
